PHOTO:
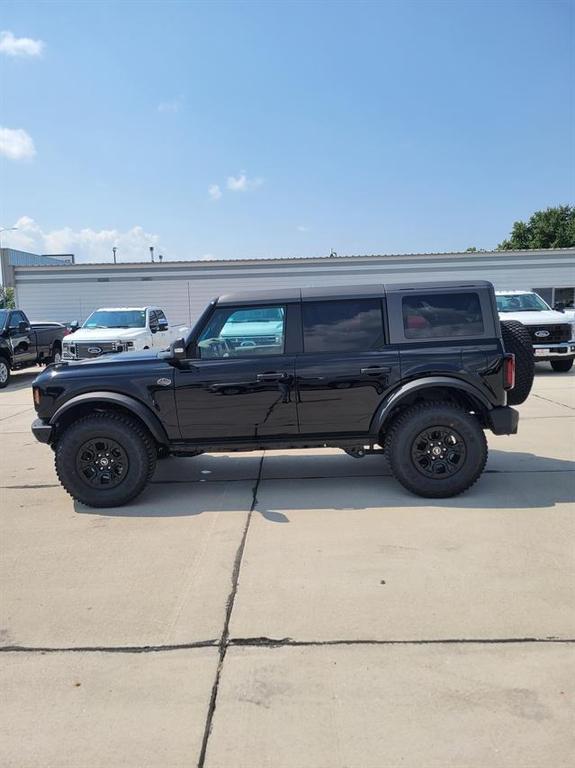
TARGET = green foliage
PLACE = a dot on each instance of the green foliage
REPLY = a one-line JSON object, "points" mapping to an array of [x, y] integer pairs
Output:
{"points": [[552, 228], [6, 298]]}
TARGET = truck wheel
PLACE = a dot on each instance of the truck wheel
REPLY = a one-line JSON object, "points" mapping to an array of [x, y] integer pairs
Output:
{"points": [[105, 459], [436, 449], [4, 372], [56, 356], [562, 366], [516, 339]]}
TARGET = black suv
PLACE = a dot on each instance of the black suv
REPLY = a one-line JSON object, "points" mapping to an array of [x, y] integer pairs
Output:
{"points": [[415, 371]]}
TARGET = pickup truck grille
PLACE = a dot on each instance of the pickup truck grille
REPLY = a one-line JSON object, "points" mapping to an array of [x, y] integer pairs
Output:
{"points": [[557, 333], [94, 349]]}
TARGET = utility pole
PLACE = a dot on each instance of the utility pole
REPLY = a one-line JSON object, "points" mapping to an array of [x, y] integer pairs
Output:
{"points": [[114, 249], [152, 253]]}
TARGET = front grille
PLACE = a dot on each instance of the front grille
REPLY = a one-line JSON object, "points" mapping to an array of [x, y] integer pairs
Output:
{"points": [[557, 333], [95, 349]]}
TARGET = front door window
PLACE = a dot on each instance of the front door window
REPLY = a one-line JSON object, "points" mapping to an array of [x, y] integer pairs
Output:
{"points": [[248, 332]]}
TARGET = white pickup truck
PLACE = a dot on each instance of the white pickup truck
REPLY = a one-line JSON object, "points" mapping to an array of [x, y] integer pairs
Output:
{"points": [[552, 333], [121, 329]]}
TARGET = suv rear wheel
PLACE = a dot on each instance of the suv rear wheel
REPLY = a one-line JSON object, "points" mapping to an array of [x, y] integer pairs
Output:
{"points": [[105, 459], [436, 449], [562, 366]]}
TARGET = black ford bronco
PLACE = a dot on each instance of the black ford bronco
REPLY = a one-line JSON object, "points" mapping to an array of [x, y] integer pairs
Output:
{"points": [[417, 372]]}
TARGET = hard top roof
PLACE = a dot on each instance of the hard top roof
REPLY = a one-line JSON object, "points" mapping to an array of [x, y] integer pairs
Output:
{"points": [[286, 295]]}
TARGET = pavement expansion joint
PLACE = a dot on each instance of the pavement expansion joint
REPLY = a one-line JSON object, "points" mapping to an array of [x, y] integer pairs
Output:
{"points": [[224, 639]]}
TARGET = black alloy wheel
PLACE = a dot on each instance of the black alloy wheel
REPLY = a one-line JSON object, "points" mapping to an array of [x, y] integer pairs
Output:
{"points": [[102, 463], [438, 451]]}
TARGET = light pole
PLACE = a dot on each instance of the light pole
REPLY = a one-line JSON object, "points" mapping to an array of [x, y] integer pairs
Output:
{"points": [[6, 229], [152, 252], [114, 249]]}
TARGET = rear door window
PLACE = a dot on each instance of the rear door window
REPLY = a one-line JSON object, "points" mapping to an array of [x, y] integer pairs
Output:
{"points": [[442, 315], [354, 325]]}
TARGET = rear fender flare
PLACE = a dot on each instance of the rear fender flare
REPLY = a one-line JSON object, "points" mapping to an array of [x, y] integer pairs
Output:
{"points": [[125, 402], [406, 390]]}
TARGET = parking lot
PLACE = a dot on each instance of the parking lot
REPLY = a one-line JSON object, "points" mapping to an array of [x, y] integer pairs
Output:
{"points": [[292, 609]]}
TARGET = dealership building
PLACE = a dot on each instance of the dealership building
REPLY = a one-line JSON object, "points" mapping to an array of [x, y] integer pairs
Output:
{"points": [[55, 288]]}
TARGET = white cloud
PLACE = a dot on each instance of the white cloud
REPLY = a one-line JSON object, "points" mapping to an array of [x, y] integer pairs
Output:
{"points": [[301, 228], [16, 144], [86, 244], [207, 257], [19, 46], [214, 191], [174, 105], [242, 183]]}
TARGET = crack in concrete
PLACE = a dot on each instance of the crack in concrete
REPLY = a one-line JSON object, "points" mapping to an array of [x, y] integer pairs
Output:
{"points": [[109, 648], [554, 402], [224, 639], [281, 642]]}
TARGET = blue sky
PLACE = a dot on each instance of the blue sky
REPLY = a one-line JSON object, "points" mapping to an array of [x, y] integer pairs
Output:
{"points": [[251, 129]]}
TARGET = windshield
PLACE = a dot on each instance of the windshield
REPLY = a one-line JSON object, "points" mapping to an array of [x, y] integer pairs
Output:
{"points": [[117, 318], [521, 302], [3, 316], [266, 314]]}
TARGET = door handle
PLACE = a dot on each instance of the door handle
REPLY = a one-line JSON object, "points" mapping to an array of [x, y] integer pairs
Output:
{"points": [[275, 376], [373, 370]]}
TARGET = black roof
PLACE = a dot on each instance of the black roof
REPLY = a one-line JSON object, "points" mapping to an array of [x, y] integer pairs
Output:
{"points": [[287, 295]]}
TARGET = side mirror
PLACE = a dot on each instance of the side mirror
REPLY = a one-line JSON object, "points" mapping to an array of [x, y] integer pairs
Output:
{"points": [[23, 327], [74, 325], [162, 325], [178, 349], [559, 307]]}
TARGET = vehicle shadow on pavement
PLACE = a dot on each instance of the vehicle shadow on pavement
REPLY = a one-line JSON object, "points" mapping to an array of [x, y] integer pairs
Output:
{"points": [[529, 481]]}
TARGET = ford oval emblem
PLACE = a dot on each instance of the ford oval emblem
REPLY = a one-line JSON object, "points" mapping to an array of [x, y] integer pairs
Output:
{"points": [[164, 382], [95, 350], [542, 334]]}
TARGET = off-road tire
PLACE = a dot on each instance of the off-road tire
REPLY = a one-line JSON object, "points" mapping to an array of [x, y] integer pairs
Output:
{"points": [[516, 339], [562, 366], [134, 439], [400, 439], [5, 377]]}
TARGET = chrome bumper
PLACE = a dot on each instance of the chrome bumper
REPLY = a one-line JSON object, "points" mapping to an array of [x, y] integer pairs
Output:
{"points": [[549, 351]]}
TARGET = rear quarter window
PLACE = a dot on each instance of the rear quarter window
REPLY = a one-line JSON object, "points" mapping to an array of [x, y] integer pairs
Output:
{"points": [[442, 315]]}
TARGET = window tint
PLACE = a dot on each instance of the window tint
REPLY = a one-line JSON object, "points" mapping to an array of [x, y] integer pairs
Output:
{"points": [[442, 315], [342, 326], [243, 332], [16, 319]]}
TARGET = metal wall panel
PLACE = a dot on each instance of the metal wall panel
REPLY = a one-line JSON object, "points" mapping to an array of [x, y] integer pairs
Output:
{"points": [[183, 289]]}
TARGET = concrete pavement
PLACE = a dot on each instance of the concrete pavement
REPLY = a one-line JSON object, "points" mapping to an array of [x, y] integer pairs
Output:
{"points": [[296, 609]]}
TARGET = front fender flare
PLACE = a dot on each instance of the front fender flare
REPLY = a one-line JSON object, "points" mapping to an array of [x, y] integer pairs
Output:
{"points": [[384, 410], [136, 407]]}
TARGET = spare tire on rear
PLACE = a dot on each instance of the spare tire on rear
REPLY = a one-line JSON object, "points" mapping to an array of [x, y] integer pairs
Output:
{"points": [[516, 339]]}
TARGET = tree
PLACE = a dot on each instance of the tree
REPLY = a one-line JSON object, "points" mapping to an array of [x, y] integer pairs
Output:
{"points": [[6, 298], [551, 228]]}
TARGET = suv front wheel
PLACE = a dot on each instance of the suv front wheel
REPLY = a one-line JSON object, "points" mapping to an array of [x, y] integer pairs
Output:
{"points": [[436, 449], [105, 459]]}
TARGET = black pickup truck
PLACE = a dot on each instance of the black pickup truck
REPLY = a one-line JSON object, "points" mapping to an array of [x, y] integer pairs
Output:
{"points": [[417, 372], [24, 344]]}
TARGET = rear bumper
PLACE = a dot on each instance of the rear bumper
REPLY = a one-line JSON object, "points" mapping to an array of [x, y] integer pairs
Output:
{"points": [[42, 431], [554, 351], [503, 421]]}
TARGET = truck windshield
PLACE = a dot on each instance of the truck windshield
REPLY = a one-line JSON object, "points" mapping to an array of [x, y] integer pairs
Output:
{"points": [[521, 302], [116, 318], [263, 315]]}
